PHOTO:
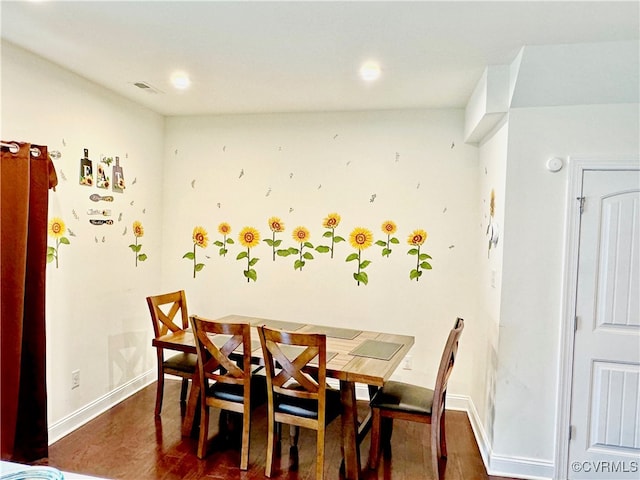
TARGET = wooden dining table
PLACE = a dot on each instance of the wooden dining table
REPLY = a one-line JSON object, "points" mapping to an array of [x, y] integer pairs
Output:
{"points": [[353, 356]]}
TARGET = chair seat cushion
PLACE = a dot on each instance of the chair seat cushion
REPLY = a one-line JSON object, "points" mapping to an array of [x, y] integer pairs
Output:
{"points": [[235, 393], [403, 397], [307, 408], [183, 362]]}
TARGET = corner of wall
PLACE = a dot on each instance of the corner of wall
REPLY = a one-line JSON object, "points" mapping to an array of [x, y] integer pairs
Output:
{"points": [[488, 103], [514, 72], [499, 465]]}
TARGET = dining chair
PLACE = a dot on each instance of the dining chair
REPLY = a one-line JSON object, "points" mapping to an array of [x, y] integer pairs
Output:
{"points": [[226, 378], [402, 401], [164, 309], [297, 391]]}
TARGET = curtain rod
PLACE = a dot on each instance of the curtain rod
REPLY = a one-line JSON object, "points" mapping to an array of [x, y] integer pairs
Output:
{"points": [[15, 148]]}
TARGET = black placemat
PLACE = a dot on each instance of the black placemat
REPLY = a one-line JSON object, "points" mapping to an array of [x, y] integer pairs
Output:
{"points": [[220, 339], [292, 351], [280, 325], [376, 349], [337, 332]]}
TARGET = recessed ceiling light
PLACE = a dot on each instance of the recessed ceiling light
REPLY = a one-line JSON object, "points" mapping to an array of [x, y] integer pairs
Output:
{"points": [[180, 80], [370, 71]]}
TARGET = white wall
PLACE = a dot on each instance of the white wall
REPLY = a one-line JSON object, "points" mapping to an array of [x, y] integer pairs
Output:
{"points": [[97, 319], [422, 176], [491, 175], [533, 260]]}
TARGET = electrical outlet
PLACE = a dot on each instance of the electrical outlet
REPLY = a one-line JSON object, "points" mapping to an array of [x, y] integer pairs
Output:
{"points": [[75, 379], [407, 363]]}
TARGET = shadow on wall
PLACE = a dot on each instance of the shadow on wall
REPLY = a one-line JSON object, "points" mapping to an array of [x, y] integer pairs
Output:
{"points": [[490, 382], [127, 357]]}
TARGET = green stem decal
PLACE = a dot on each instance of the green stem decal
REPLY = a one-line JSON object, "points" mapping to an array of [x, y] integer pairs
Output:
{"points": [[194, 260], [57, 254]]}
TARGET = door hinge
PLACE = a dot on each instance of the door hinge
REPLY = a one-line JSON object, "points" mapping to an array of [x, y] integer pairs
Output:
{"points": [[576, 321], [581, 200], [572, 432]]}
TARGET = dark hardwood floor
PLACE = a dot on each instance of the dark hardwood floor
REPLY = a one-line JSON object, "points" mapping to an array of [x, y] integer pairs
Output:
{"points": [[128, 442]]}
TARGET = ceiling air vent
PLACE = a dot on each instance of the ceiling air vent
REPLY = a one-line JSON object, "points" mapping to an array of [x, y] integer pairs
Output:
{"points": [[146, 87]]}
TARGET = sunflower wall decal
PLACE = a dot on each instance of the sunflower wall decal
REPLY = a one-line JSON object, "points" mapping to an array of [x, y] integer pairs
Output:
{"points": [[330, 222], [416, 240], [493, 230], [249, 237], [138, 232], [360, 239], [388, 228], [200, 239], [224, 229], [56, 230], [300, 235], [276, 226]]}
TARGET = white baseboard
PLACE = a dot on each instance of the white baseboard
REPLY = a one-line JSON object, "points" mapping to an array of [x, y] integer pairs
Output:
{"points": [[500, 465], [78, 418], [463, 402], [518, 467]]}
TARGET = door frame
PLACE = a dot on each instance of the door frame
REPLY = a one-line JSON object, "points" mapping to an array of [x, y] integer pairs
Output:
{"points": [[577, 165]]}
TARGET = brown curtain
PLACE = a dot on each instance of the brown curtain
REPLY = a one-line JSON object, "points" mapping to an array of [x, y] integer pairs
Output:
{"points": [[25, 180]]}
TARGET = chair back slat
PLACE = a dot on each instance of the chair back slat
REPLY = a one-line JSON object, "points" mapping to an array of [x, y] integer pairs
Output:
{"points": [[219, 358], [446, 365], [282, 370], [165, 308], [221, 364], [293, 369]]}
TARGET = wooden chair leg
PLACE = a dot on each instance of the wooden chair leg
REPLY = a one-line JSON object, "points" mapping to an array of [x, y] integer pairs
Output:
{"points": [[374, 449], [294, 459], [443, 438], [204, 431], [386, 431], [271, 445], [435, 448], [223, 424], [278, 439], [159, 391], [294, 434], [183, 390], [320, 453], [246, 434]]}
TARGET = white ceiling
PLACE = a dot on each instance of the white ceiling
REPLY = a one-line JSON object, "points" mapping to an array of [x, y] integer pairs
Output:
{"points": [[300, 56]]}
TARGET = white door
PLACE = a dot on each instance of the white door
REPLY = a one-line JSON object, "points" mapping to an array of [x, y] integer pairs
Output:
{"points": [[605, 402]]}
